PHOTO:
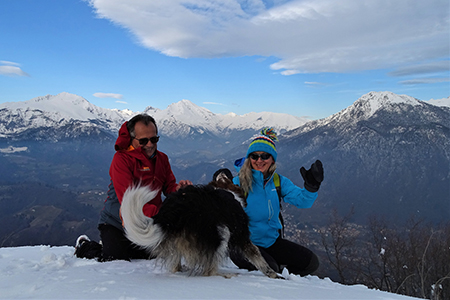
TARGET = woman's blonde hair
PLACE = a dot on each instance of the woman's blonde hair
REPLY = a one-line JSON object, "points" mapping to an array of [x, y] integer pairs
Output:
{"points": [[246, 176]]}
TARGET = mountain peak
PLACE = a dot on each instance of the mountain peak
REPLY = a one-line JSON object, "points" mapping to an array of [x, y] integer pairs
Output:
{"points": [[378, 99], [366, 106], [186, 105], [61, 97], [189, 113], [65, 104], [56, 110]]}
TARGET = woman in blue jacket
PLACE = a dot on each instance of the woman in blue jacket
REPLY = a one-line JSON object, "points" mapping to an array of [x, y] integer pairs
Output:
{"points": [[256, 178]]}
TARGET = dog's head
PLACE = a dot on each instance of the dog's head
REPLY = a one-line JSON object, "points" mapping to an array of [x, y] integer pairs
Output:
{"points": [[223, 180]]}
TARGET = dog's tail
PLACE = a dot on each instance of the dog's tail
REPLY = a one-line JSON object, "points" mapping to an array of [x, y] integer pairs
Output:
{"points": [[138, 227]]}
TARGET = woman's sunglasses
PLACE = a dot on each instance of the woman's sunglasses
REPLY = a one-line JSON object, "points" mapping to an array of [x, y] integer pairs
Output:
{"points": [[144, 141], [264, 156]]}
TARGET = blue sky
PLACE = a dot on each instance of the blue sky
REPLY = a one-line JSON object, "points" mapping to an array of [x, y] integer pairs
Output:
{"points": [[305, 58]]}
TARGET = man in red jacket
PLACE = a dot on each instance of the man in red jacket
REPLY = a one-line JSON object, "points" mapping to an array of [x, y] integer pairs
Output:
{"points": [[137, 161]]}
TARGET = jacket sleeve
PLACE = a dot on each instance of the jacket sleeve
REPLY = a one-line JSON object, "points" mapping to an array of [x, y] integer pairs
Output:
{"points": [[295, 195], [121, 173]]}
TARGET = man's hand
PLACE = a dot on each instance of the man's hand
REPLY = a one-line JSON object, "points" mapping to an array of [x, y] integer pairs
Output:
{"points": [[183, 183]]}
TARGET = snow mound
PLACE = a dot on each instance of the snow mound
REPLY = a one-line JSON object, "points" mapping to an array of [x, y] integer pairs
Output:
{"points": [[44, 272]]}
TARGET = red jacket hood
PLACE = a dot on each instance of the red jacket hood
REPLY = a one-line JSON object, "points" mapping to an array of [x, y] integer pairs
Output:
{"points": [[124, 139]]}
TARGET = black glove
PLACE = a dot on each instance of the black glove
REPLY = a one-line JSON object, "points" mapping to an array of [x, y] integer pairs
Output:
{"points": [[313, 177]]}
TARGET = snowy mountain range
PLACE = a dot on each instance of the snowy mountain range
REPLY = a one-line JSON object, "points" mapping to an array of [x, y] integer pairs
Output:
{"points": [[372, 103], [386, 155], [177, 119]]}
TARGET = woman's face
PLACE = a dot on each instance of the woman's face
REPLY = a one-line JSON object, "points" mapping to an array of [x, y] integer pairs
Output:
{"points": [[259, 163]]}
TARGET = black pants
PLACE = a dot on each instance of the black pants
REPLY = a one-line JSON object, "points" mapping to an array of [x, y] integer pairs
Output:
{"points": [[115, 246], [283, 253]]}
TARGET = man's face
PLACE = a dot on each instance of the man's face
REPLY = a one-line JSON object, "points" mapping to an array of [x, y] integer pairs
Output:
{"points": [[145, 131]]}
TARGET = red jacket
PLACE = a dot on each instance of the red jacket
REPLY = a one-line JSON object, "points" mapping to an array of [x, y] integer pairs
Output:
{"points": [[131, 167]]}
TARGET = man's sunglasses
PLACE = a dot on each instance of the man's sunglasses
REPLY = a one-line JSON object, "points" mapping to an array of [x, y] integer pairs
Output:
{"points": [[264, 156], [144, 141]]}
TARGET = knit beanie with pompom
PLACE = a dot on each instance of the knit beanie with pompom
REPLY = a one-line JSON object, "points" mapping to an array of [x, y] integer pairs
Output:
{"points": [[265, 142]]}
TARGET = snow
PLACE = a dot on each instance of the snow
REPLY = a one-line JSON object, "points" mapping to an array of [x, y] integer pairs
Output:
{"points": [[188, 113], [55, 111], [258, 120], [44, 272], [364, 108], [61, 106], [375, 100], [440, 102], [12, 149]]}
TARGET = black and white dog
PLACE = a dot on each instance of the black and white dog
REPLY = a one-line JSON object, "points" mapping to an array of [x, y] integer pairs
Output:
{"points": [[200, 224]]}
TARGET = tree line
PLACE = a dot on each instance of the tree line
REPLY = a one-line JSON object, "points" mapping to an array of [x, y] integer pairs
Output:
{"points": [[411, 259]]}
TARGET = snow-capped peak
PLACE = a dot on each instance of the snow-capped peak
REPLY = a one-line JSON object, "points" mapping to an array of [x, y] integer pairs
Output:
{"points": [[366, 106], [363, 109], [187, 112], [54, 111], [375, 100], [62, 106]]}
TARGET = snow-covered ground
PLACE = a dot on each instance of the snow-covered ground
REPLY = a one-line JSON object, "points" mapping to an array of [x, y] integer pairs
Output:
{"points": [[12, 149], [44, 272]]}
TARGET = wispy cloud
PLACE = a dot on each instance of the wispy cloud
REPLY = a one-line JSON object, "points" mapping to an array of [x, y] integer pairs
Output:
{"points": [[9, 63], [425, 81], [108, 95], [9, 68], [314, 83], [306, 36], [425, 68], [213, 103]]}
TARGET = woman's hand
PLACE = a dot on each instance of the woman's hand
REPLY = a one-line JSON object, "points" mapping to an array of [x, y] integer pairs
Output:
{"points": [[313, 177]]}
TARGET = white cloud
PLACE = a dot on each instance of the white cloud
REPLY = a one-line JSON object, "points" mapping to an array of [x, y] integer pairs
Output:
{"points": [[314, 83], [307, 36], [9, 68], [425, 68], [289, 72], [108, 95], [213, 103], [9, 63], [425, 81]]}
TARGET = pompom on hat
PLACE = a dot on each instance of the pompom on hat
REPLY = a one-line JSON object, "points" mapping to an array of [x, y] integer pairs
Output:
{"points": [[265, 142]]}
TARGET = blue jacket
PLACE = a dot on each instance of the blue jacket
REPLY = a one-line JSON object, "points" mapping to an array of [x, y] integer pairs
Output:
{"points": [[263, 206]]}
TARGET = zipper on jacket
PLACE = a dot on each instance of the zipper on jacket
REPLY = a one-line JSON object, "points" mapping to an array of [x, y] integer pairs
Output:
{"points": [[271, 210], [269, 202]]}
